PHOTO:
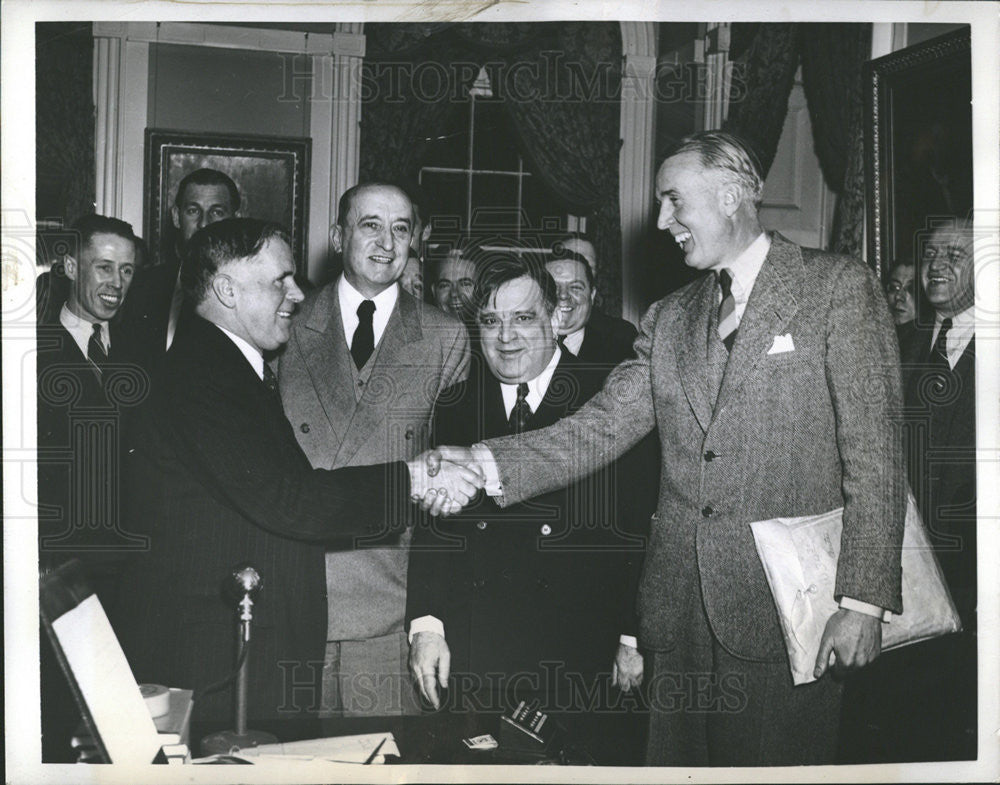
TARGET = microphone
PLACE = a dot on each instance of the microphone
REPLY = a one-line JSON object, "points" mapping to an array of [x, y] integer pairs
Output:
{"points": [[244, 584]]}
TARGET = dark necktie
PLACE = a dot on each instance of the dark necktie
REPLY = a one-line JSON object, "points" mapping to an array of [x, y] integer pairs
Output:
{"points": [[727, 310], [521, 412], [270, 380], [95, 349], [363, 343], [939, 352]]}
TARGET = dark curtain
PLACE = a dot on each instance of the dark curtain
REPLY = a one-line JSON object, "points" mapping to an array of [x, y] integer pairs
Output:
{"points": [[64, 124], [762, 82], [560, 84], [833, 57], [565, 104]]}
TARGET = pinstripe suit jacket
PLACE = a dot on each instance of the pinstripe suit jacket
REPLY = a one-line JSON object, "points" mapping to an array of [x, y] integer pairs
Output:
{"points": [[792, 433]]}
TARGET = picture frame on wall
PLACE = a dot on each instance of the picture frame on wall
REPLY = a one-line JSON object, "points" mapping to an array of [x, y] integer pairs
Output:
{"points": [[918, 145], [270, 173]]}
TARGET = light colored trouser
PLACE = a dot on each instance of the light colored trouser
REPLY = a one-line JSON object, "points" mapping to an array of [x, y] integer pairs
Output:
{"points": [[368, 678]]}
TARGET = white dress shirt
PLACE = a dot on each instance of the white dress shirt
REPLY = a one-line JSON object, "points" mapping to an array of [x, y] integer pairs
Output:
{"points": [[80, 329], [351, 298], [744, 269], [574, 341], [963, 327]]}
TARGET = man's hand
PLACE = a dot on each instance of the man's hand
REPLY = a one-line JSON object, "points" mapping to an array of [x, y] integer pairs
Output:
{"points": [[430, 664], [855, 639], [442, 487], [626, 673], [459, 455]]}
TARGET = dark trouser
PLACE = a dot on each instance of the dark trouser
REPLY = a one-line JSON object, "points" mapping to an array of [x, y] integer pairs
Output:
{"points": [[709, 708]]}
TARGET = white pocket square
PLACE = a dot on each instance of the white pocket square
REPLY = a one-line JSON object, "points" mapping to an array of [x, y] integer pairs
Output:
{"points": [[782, 343]]}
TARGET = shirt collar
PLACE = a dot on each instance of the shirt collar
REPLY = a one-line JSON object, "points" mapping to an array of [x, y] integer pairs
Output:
{"points": [[964, 320], [537, 387], [574, 341], [351, 298], [745, 267], [255, 358], [80, 329]]}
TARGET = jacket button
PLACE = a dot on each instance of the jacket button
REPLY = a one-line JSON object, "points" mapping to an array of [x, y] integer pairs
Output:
{"points": [[304, 427], [710, 456], [546, 530], [542, 584], [707, 512], [481, 525]]}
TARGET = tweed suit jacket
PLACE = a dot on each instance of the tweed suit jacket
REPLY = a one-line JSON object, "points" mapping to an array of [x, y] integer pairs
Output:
{"points": [[215, 478], [343, 417], [791, 433]]}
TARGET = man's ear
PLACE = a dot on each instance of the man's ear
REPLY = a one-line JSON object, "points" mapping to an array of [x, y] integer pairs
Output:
{"points": [[337, 238], [729, 199], [175, 216], [224, 290], [425, 234], [69, 266]]}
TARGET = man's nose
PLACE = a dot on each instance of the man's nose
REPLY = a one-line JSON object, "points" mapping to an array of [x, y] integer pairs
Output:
{"points": [[665, 217], [504, 334], [116, 279], [562, 294], [294, 293], [385, 238]]}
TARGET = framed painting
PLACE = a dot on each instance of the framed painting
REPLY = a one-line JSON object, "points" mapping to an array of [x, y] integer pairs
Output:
{"points": [[269, 172], [918, 144]]}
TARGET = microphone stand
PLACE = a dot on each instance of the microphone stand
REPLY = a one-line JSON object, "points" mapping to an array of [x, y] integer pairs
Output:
{"points": [[246, 582]]}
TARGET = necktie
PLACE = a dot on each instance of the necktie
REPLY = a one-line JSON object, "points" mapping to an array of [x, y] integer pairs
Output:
{"points": [[561, 340], [363, 343], [521, 412], [727, 310], [270, 380], [939, 352], [95, 349]]}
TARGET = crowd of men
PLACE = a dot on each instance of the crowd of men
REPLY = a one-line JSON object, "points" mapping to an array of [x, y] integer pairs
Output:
{"points": [[498, 492]]}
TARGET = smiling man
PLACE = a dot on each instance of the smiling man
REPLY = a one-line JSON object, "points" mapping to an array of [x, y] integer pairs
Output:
{"points": [[753, 376], [584, 330], [533, 602], [358, 381], [215, 478], [79, 354]]}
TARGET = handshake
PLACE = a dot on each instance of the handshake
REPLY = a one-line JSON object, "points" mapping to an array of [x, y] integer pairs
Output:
{"points": [[445, 479]]}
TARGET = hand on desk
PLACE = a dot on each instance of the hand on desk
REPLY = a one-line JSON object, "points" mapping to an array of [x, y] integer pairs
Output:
{"points": [[430, 664], [441, 486], [626, 672]]}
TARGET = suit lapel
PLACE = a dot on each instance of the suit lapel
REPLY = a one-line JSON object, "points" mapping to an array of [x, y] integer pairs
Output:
{"points": [[327, 360], [372, 410], [692, 349], [770, 308]]}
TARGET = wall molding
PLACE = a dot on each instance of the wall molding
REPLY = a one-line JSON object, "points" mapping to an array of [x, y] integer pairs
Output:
{"points": [[637, 156]]}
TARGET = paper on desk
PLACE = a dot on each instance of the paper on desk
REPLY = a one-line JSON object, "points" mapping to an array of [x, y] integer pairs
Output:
{"points": [[344, 749], [799, 556]]}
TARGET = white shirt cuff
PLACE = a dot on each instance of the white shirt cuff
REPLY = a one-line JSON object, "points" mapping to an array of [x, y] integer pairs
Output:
{"points": [[629, 640], [484, 457], [426, 624], [850, 604]]}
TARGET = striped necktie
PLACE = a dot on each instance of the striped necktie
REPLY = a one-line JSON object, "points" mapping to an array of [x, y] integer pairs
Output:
{"points": [[95, 349], [728, 323]]}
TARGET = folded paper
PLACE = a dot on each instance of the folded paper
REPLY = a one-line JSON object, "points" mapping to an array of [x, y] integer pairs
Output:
{"points": [[800, 555]]}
